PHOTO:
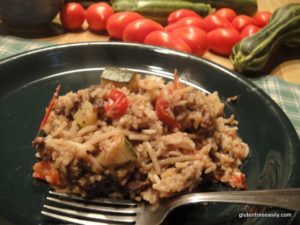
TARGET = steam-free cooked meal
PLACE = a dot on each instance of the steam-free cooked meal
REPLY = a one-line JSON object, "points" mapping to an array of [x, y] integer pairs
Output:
{"points": [[138, 137]]}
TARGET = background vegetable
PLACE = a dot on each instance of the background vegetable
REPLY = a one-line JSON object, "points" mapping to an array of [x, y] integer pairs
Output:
{"points": [[253, 53], [222, 40], [118, 21], [72, 16], [250, 30], [181, 13], [136, 19], [262, 18], [213, 22], [226, 13], [194, 37], [167, 40], [97, 15], [241, 21], [248, 7], [188, 21], [292, 42], [137, 30], [159, 10]]}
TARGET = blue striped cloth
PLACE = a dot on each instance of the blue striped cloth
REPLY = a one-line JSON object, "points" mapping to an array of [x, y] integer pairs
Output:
{"points": [[285, 94]]}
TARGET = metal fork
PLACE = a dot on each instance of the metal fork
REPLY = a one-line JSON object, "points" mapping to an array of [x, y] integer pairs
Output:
{"points": [[77, 210]]}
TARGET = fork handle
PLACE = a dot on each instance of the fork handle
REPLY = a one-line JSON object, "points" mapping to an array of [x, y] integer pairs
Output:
{"points": [[282, 198]]}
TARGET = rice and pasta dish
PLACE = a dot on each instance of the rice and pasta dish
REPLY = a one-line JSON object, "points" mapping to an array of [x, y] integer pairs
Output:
{"points": [[137, 137]]}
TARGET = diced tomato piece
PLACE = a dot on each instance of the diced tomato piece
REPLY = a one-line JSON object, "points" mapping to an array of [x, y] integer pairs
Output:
{"points": [[45, 170], [160, 108], [117, 104], [238, 180]]}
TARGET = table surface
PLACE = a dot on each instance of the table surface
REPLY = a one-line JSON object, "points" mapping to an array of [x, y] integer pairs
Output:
{"points": [[287, 61]]}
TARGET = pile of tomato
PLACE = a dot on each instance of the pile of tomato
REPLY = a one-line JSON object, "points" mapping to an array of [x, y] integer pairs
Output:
{"points": [[186, 30]]}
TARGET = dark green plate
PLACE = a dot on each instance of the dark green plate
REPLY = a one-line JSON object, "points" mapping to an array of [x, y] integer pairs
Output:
{"points": [[27, 82]]}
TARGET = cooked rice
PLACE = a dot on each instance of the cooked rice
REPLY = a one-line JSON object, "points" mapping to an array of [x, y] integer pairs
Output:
{"points": [[168, 161]]}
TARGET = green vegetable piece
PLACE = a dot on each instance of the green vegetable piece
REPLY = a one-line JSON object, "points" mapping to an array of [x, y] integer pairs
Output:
{"points": [[117, 75], [253, 53], [120, 78], [120, 152], [293, 42], [85, 115]]}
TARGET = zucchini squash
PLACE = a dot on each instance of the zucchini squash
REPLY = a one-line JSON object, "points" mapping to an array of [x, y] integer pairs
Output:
{"points": [[119, 152], [293, 42], [120, 78], [114, 74], [252, 53], [159, 10], [85, 115], [248, 7]]}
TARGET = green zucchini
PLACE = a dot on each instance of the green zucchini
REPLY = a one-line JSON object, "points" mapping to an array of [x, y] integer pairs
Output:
{"points": [[159, 10], [252, 53], [114, 74], [85, 115], [119, 152], [248, 7], [120, 78], [293, 42]]}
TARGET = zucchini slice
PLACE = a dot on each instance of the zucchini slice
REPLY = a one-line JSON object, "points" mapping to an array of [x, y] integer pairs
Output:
{"points": [[119, 77], [120, 152]]}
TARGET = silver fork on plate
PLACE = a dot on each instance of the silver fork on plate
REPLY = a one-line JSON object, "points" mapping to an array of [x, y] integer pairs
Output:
{"points": [[76, 210]]}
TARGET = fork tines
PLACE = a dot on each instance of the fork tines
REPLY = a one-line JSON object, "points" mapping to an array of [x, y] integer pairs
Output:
{"points": [[77, 210]]}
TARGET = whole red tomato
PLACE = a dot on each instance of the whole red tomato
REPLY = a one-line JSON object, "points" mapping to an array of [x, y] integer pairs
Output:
{"points": [[194, 37], [97, 15], [72, 16], [222, 40], [118, 21], [188, 21], [241, 21], [213, 22], [226, 13], [262, 18], [181, 13], [250, 30], [167, 40], [137, 30]]}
